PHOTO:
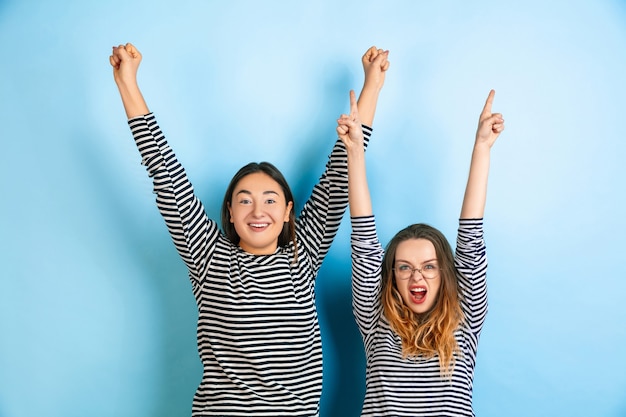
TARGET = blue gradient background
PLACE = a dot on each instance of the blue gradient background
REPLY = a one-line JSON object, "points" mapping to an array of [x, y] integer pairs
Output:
{"points": [[97, 316]]}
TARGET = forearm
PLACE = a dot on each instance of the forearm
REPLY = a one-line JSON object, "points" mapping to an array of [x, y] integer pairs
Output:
{"points": [[175, 196], [358, 191], [321, 215], [134, 103], [476, 190], [368, 100], [470, 261], [367, 255]]}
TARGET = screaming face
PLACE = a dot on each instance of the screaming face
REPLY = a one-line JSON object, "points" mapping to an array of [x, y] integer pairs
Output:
{"points": [[416, 274]]}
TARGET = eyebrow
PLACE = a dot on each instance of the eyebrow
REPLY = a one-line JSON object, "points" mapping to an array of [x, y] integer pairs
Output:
{"points": [[425, 262], [250, 193]]}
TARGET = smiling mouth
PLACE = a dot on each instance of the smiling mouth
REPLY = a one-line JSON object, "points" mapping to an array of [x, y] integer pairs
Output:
{"points": [[258, 226]]}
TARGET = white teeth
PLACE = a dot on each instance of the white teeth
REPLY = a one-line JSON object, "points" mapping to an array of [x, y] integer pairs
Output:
{"points": [[418, 290], [258, 224]]}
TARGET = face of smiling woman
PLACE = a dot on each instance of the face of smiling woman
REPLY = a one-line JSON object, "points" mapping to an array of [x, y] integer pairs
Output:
{"points": [[418, 293], [258, 211]]}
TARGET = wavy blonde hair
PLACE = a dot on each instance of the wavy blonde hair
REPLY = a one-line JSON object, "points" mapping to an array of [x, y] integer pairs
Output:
{"points": [[431, 333]]}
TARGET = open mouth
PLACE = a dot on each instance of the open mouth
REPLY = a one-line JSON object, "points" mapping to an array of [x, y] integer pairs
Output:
{"points": [[258, 226], [418, 294]]}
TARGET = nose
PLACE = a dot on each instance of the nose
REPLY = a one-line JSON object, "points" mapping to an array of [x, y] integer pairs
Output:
{"points": [[416, 274], [257, 210]]}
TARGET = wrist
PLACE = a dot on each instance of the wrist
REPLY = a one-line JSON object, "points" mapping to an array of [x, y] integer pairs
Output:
{"points": [[127, 83], [481, 147], [133, 100], [371, 87], [355, 151]]}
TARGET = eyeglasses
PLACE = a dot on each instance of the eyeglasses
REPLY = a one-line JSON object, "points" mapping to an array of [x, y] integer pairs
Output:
{"points": [[405, 271]]}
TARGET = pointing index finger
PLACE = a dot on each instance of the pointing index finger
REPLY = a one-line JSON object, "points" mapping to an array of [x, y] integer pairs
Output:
{"points": [[489, 102], [353, 107]]}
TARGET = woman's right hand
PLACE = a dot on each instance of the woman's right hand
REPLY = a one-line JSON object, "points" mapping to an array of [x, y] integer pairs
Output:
{"points": [[125, 60]]}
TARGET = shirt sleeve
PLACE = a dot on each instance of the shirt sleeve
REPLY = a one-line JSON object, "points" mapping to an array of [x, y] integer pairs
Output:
{"points": [[193, 233], [471, 265], [321, 215], [367, 257]]}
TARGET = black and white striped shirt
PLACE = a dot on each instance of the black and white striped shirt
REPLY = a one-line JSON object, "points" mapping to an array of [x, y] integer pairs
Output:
{"points": [[414, 386], [258, 332]]}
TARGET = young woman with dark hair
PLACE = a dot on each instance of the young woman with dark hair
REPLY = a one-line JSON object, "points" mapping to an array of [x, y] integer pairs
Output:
{"points": [[254, 281]]}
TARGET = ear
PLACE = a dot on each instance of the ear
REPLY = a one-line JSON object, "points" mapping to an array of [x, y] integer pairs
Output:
{"points": [[288, 211], [230, 210]]}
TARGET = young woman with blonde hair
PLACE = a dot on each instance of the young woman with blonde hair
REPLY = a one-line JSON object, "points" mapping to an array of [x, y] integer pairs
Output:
{"points": [[419, 307]]}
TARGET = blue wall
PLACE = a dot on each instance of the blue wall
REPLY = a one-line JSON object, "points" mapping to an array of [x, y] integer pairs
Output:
{"points": [[96, 312]]}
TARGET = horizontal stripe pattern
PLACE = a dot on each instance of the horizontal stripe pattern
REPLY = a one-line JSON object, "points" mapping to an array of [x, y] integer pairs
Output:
{"points": [[258, 332], [397, 386]]}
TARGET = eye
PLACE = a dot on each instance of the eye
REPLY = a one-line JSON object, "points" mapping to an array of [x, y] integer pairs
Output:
{"points": [[245, 201], [404, 268], [430, 267], [270, 201]]}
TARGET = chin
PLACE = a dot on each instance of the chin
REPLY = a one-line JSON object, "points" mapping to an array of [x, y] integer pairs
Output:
{"points": [[421, 308]]}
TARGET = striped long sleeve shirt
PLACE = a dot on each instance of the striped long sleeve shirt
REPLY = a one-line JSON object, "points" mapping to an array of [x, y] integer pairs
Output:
{"points": [[397, 386], [258, 333]]}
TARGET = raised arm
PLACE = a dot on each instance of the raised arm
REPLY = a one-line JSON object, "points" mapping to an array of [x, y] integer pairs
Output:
{"points": [[175, 197], [125, 60], [350, 133], [375, 65], [322, 213], [490, 125]]}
